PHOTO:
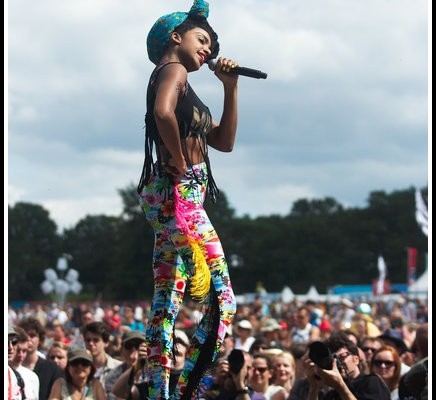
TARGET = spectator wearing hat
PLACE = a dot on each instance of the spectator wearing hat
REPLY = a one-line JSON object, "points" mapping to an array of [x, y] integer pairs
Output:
{"points": [[132, 384], [31, 380], [79, 382], [392, 337], [325, 327], [46, 370], [270, 329], [244, 338], [16, 385], [97, 339], [130, 342], [284, 336]]}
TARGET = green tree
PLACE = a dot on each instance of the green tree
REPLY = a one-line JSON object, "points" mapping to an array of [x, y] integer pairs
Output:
{"points": [[33, 245]]}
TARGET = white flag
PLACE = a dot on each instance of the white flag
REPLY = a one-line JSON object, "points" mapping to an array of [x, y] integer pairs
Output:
{"points": [[382, 269], [421, 212]]}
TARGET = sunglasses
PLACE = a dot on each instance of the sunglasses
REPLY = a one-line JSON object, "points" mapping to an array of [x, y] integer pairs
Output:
{"points": [[343, 356], [13, 342], [367, 349], [80, 361], [385, 363], [261, 370], [132, 345], [260, 347]]}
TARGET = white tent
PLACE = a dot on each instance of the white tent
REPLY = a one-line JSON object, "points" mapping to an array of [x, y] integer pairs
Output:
{"points": [[420, 285], [287, 295], [313, 294]]}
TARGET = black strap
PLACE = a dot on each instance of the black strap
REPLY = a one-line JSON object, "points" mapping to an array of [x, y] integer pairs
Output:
{"points": [[20, 382]]}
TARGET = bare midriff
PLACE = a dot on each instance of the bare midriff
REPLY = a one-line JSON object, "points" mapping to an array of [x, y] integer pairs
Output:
{"points": [[193, 151]]}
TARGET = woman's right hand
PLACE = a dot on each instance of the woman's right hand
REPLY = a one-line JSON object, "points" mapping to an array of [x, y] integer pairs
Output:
{"points": [[176, 168]]}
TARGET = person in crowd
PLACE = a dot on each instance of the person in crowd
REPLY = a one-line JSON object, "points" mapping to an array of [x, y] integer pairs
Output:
{"points": [[97, 337], [112, 318], [299, 350], [386, 363], [285, 336], [46, 370], [172, 190], [244, 338], [78, 382], [130, 342], [59, 334], [132, 319], [15, 385], [304, 331], [344, 380], [260, 345], [392, 337], [132, 384], [284, 371], [261, 376], [86, 317], [270, 329], [343, 318], [414, 384], [227, 346], [369, 345], [235, 383], [31, 380], [181, 346], [58, 353]]}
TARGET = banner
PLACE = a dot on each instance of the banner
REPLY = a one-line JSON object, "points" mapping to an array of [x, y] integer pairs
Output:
{"points": [[412, 257]]}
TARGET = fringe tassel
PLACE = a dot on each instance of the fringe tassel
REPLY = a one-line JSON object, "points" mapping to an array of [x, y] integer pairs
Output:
{"points": [[200, 281]]}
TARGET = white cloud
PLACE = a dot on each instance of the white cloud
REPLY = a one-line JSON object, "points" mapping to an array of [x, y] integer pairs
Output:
{"points": [[343, 111]]}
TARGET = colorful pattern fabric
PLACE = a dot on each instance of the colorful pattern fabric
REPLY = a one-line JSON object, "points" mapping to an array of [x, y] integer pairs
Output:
{"points": [[159, 36], [173, 267]]}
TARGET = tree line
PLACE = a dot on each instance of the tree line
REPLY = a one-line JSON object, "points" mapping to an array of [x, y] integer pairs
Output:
{"points": [[320, 242]]}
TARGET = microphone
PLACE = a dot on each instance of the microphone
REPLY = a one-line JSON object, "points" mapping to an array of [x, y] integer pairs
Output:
{"points": [[251, 73]]}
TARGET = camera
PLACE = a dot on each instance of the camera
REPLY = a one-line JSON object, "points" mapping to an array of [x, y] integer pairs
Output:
{"points": [[321, 355], [236, 360]]}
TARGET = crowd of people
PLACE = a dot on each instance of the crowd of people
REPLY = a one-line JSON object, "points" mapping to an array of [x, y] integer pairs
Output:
{"points": [[98, 351]]}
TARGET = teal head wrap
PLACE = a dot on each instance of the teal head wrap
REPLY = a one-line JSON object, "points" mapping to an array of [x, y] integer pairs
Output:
{"points": [[159, 36]]}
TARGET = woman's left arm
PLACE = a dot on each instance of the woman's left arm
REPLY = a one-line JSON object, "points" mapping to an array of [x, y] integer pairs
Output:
{"points": [[99, 392], [222, 136]]}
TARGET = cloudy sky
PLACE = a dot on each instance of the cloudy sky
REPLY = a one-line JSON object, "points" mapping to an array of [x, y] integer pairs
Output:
{"points": [[343, 112]]}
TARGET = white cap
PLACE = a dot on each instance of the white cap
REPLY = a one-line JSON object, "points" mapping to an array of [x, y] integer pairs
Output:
{"points": [[245, 324]]}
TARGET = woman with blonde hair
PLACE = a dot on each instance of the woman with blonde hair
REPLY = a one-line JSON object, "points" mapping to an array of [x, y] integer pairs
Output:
{"points": [[58, 353], [284, 367], [386, 363]]}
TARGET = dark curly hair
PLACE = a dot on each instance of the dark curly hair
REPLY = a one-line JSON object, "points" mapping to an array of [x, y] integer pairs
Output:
{"points": [[192, 22], [339, 340]]}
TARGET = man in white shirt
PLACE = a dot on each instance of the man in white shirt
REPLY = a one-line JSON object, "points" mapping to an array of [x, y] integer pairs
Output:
{"points": [[31, 380]]}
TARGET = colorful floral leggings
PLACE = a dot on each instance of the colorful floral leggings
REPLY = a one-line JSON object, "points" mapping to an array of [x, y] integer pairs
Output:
{"points": [[172, 267]]}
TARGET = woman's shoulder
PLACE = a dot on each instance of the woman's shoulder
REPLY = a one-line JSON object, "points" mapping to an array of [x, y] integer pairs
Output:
{"points": [[168, 70]]}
